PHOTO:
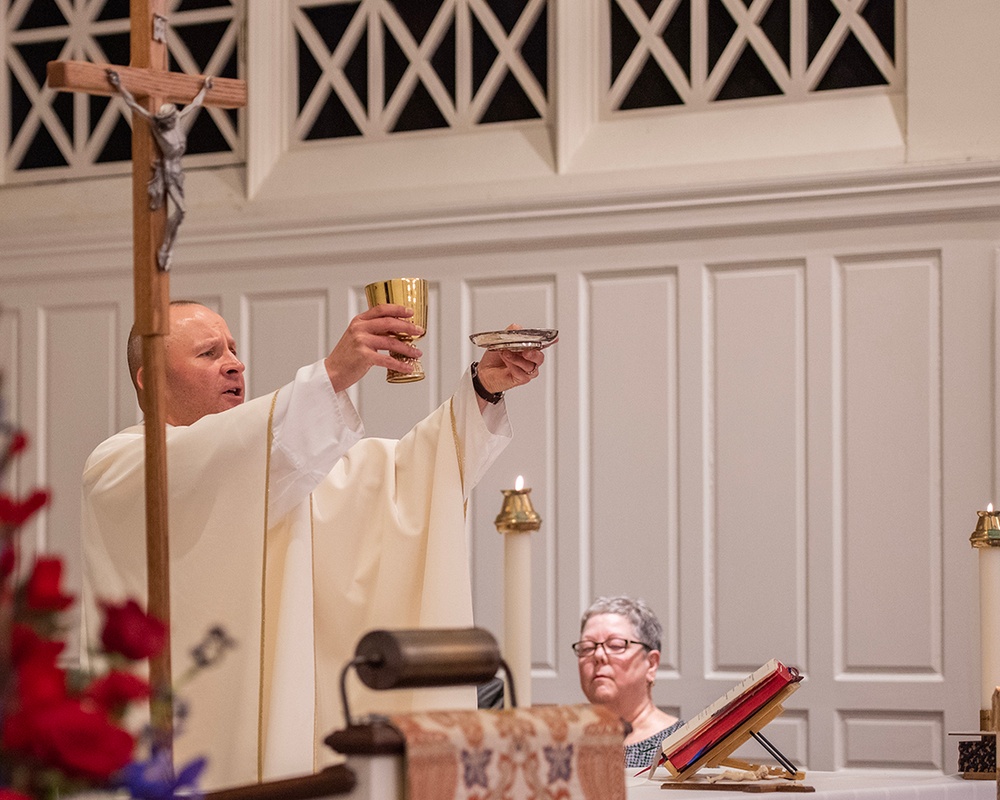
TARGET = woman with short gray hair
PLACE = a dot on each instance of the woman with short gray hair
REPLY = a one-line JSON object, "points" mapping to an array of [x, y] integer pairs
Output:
{"points": [[618, 655]]}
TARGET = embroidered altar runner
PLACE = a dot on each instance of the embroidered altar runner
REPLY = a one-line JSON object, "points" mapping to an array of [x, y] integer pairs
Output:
{"points": [[538, 753]]}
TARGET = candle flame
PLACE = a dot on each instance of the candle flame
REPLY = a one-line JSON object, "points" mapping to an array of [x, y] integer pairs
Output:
{"points": [[989, 508], [519, 483]]}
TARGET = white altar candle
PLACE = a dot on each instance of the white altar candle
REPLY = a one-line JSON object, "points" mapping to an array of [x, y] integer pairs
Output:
{"points": [[517, 611], [986, 539], [989, 619], [516, 521]]}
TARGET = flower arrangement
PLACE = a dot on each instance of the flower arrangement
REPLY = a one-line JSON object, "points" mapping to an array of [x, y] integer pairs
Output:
{"points": [[64, 731]]}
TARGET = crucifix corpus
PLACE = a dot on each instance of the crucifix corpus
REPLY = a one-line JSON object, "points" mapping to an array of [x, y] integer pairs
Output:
{"points": [[149, 89]]}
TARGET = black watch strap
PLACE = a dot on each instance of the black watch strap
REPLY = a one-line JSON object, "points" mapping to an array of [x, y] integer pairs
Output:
{"points": [[489, 397]]}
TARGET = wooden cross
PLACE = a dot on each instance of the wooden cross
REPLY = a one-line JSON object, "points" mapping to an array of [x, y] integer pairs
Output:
{"points": [[149, 80]]}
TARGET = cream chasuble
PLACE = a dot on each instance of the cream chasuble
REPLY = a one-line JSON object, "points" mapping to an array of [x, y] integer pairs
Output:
{"points": [[378, 543]]}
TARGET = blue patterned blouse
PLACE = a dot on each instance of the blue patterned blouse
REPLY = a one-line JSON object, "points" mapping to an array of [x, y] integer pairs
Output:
{"points": [[640, 754]]}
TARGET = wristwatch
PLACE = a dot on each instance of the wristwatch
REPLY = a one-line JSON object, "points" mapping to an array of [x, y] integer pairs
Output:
{"points": [[489, 397]]}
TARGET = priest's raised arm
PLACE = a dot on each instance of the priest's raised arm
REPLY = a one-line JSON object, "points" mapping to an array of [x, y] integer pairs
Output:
{"points": [[292, 530]]}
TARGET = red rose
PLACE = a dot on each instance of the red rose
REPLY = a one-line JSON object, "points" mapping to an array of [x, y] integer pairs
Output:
{"points": [[131, 631], [8, 560], [15, 513], [86, 742], [10, 794], [80, 741], [117, 689], [27, 646], [15, 734], [40, 684], [18, 442], [43, 592]]}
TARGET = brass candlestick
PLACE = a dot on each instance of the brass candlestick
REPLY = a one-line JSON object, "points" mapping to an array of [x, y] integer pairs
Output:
{"points": [[517, 519], [517, 515], [987, 532]]}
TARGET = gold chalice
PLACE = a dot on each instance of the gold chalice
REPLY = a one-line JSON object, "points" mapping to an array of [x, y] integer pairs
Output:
{"points": [[412, 293]]}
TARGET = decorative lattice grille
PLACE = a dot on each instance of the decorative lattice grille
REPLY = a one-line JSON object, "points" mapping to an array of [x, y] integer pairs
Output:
{"points": [[377, 67], [692, 53], [54, 134]]}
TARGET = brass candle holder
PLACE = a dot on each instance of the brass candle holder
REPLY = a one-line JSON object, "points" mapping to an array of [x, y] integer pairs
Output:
{"points": [[517, 515], [987, 532]]}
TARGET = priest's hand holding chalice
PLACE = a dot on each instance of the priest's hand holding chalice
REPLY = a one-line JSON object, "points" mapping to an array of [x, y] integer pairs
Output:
{"points": [[382, 336], [412, 294]]}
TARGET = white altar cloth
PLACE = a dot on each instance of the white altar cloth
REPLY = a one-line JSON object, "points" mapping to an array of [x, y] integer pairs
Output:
{"points": [[841, 785], [381, 778]]}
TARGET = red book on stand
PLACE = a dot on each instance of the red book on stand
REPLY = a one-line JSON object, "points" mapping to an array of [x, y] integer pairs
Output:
{"points": [[711, 727]]}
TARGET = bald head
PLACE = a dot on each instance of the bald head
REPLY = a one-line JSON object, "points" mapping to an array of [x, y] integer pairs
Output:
{"points": [[133, 349], [203, 374]]}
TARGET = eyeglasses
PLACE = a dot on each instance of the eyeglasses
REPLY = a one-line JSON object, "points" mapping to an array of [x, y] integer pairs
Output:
{"points": [[613, 647]]}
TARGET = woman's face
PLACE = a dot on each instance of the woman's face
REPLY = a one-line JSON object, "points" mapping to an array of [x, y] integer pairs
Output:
{"points": [[622, 681]]}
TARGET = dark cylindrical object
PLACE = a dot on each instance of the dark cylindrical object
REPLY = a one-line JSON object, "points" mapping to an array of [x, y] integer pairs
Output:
{"points": [[405, 659]]}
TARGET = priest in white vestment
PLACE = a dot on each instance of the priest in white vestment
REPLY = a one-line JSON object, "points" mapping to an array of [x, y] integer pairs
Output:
{"points": [[293, 532]]}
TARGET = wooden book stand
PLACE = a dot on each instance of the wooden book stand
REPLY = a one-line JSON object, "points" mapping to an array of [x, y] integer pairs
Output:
{"points": [[718, 752]]}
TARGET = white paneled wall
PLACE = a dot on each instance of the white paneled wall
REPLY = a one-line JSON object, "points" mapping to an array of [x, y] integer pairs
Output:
{"points": [[282, 331], [755, 450], [771, 410], [629, 439], [780, 441], [889, 382]]}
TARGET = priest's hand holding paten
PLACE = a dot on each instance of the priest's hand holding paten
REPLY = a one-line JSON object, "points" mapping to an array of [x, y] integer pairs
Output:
{"points": [[294, 530], [513, 358]]}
